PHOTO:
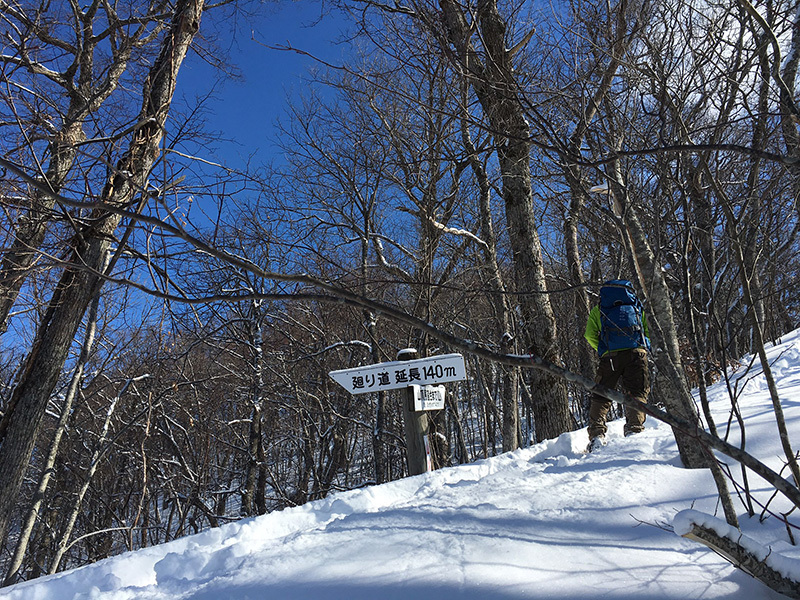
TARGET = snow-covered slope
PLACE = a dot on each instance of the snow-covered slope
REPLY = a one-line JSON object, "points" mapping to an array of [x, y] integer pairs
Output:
{"points": [[543, 522]]}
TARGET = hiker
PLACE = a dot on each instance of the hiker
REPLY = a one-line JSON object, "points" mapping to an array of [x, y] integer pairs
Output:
{"points": [[617, 329]]}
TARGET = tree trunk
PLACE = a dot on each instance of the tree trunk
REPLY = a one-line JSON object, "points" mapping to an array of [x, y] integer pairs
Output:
{"points": [[586, 357], [745, 556], [677, 395], [86, 96], [13, 574], [31, 227], [252, 497], [81, 279], [502, 308], [494, 84]]}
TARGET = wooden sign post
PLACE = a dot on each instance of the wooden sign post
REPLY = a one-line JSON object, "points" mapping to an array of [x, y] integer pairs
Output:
{"points": [[416, 425], [416, 377]]}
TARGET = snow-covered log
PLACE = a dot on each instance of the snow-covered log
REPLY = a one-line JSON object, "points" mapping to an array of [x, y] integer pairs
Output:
{"points": [[777, 572]]}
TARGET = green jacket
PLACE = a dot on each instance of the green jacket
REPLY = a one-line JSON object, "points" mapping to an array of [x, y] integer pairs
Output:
{"points": [[592, 333]]}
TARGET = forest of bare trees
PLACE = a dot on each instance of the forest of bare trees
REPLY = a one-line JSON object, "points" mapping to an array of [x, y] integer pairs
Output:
{"points": [[463, 182]]}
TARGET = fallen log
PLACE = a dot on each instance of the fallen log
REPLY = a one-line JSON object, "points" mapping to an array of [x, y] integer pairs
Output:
{"points": [[777, 572]]}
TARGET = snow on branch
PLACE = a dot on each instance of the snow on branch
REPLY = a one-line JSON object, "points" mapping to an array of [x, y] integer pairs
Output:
{"points": [[391, 268], [358, 343], [777, 572], [460, 232]]}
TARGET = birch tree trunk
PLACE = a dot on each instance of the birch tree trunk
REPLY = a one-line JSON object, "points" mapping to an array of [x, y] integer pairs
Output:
{"points": [[82, 278]]}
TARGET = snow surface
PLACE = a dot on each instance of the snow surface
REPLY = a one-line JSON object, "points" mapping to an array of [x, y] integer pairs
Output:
{"points": [[543, 522]]}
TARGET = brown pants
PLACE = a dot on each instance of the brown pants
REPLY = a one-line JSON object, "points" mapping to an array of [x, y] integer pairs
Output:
{"points": [[630, 368]]}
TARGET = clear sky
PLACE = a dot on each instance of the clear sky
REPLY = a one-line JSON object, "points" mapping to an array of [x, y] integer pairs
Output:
{"points": [[246, 109]]}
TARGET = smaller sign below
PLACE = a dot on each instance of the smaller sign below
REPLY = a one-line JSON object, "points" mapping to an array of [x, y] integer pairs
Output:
{"points": [[428, 397]]}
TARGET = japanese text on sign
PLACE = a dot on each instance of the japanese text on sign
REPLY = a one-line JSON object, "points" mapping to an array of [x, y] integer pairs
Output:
{"points": [[428, 397], [400, 374]]}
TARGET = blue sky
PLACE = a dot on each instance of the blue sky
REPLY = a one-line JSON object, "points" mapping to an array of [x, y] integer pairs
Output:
{"points": [[245, 109]]}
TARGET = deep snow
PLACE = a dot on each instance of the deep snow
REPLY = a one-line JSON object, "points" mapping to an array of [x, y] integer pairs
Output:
{"points": [[543, 522]]}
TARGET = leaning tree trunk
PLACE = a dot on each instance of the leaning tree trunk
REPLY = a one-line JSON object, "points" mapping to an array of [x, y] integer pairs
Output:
{"points": [[88, 88], [24, 537], [81, 279], [32, 226], [676, 393]]}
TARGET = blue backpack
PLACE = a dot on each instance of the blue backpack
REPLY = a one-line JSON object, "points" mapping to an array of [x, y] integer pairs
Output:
{"points": [[621, 325]]}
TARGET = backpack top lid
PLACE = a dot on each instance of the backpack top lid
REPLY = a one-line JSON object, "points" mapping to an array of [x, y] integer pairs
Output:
{"points": [[616, 292], [619, 283]]}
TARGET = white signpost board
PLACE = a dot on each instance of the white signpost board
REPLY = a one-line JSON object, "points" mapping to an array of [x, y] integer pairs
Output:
{"points": [[401, 374], [428, 397]]}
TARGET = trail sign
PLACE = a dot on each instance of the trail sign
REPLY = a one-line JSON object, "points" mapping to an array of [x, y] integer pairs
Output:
{"points": [[428, 397], [401, 373]]}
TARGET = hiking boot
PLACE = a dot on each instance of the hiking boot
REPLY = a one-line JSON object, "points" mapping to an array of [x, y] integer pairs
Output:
{"points": [[631, 431], [596, 443]]}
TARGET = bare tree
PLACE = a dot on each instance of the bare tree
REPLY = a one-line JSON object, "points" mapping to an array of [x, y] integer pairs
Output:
{"points": [[492, 78], [81, 279], [99, 42], [48, 468], [397, 243]]}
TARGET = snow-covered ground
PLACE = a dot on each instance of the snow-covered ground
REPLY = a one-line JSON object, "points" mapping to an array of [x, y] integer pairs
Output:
{"points": [[544, 522]]}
